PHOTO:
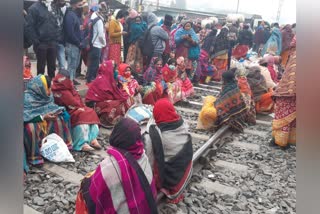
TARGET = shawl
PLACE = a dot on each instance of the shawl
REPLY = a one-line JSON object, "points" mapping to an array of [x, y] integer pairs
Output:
{"points": [[164, 112], [171, 156], [274, 43], [244, 85], [259, 35], [130, 85], [222, 43], [182, 32], [139, 191], [168, 74], [152, 74], [209, 42], [271, 61], [257, 82], [37, 101], [287, 85], [65, 95], [230, 102], [245, 37], [136, 31], [104, 87], [287, 36]]}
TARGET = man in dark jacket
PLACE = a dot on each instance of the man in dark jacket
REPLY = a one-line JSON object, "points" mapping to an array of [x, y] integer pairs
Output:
{"points": [[168, 21], [73, 36], [44, 33], [246, 36]]}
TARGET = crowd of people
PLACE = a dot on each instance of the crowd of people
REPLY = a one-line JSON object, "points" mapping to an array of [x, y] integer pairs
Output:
{"points": [[130, 55]]}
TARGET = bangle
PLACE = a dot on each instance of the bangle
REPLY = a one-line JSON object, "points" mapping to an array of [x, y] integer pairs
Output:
{"points": [[42, 118]]}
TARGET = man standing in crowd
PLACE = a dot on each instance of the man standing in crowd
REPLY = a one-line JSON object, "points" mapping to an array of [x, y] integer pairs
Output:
{"points": [[44, 32], [73, 37], [59, 16], [98, 42], [168, 21]]}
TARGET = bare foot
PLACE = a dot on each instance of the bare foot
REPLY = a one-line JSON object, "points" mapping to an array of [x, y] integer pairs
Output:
{"points": [[87, 148], [95, 144]]}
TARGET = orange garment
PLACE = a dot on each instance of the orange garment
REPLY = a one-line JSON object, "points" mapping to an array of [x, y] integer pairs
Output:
{"points": [[221, 65], [265, 104], [285, 57]]}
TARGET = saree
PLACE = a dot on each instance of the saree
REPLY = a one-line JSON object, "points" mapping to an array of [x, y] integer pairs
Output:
{"points": [[111, 103], [123, 182], [129, 84], [115, 53], [84, 120], [248, 99], [262, 95], [240, 51], [284, 123]]}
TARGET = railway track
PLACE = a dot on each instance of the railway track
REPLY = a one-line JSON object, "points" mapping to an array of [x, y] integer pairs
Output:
{"points": [[217, 156]]}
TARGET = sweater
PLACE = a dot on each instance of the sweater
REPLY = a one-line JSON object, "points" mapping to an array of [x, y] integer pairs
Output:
{"points": [[115, 33], [72, 28]]}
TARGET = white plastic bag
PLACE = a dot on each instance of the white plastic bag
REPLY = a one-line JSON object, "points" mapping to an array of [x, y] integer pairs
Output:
{"points": [[55, 150]]}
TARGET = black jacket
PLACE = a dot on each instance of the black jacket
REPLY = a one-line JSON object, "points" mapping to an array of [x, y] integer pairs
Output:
{"points": [[72, 32], [43, 27], [246, 38]]}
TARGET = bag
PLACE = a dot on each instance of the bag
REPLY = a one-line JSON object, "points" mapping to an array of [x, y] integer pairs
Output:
{"points": [[55, 150], [88, 34], [194, 52], [146, 44]]}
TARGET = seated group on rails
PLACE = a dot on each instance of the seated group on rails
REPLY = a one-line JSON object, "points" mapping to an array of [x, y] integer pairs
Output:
{"points": [[131, 55]]}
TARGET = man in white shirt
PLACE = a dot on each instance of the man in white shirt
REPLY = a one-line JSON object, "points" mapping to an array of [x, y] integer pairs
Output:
{"points": [[98, 42]]}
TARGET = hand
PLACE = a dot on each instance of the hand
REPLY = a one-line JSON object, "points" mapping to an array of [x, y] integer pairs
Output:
{"points": [[124, 33], [50, 117]]}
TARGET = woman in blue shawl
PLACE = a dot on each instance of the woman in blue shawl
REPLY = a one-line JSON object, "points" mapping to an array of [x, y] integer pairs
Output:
{"points": [[41, 117], [188, 47], [137, 29], [274, 43]]}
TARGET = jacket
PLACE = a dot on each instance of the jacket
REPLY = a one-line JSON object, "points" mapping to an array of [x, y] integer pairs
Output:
{"points": [[159, 37], [115, 33], [43, 26], [72, 31]]}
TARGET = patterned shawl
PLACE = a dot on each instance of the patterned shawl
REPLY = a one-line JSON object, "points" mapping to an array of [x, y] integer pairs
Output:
{"points": [[152, 74], [209, 42], [182, 32], [37, 101], [230, 102], [287, 85], [257, 82], [222, 43], [104, 87], [103, 192], [287, 36], [274, 43]]}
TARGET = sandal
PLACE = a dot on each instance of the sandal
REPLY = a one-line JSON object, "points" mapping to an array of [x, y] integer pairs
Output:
{"points": [[95, 144], [87, 148]]}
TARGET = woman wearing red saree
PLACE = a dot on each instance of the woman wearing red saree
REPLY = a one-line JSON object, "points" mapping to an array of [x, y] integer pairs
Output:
{"points": [[129, 84], [104, 95], [84, 120]]}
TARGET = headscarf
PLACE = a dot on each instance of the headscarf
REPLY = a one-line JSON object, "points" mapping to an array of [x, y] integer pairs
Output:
{"points": [[287, 84], [287, 36], [37, 101], [222, 42], [257, 82], [26, 68], [274, 43], [270, 60], [104, 87], [133, 14], [152, 19], [137, 30], [152, 74], [126, 135], [164, 112], [209, 42]]}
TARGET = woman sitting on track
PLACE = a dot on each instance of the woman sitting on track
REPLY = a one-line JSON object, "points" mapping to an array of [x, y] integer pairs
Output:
{"points": [[129, 84], [123, 182], [169, 148], [106, 98], [261, 93], [84, 120], [42, 117]]}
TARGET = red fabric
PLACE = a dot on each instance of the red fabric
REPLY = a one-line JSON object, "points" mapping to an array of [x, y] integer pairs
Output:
{"points": [[122, 68], [104, 87], [168, 74], [115, 53], [167, 50], [240, 51], [65, 95], [273, 73], [164, 111]]}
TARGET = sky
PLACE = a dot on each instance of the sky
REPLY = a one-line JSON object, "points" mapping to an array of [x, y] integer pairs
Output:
{"points": [[266, 8]]}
